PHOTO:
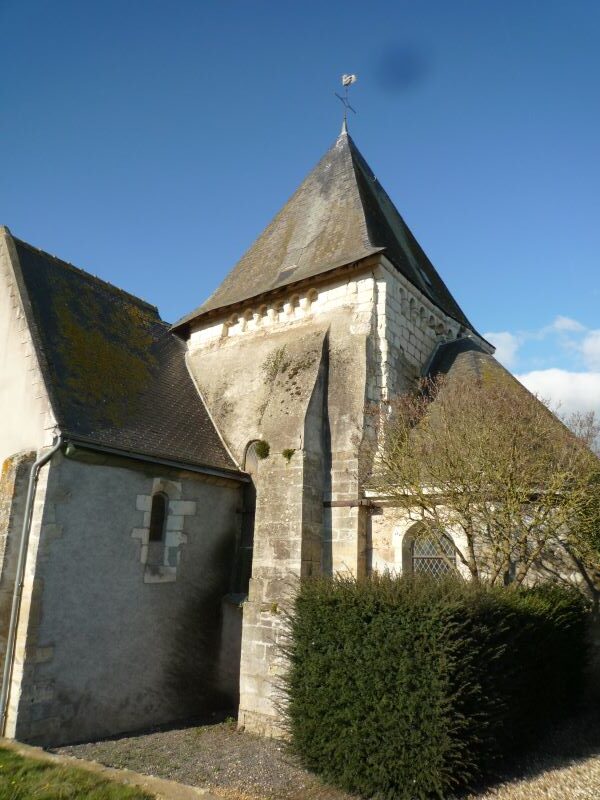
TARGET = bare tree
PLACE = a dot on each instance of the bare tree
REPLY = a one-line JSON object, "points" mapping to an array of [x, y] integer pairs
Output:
{"points": [[582, 544], [486, 461]]}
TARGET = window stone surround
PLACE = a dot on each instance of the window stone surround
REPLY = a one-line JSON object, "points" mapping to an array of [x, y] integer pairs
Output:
{"points": [[174, 538]]}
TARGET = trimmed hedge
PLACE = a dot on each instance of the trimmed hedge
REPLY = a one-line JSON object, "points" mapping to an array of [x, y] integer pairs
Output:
{"points": [[410, 688]]}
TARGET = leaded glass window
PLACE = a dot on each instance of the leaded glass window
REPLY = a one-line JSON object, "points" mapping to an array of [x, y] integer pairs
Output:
{"points": [[432, 555]]}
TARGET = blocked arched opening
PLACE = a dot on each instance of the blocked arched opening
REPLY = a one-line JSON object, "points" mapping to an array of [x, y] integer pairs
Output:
{"points": [[245, 547]]}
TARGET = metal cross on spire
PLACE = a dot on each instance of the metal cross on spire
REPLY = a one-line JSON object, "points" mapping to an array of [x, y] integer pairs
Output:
{"points": [[347, 81]]}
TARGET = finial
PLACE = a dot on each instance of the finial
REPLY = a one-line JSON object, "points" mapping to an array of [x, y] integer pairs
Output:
{"points": [[347, 81]]}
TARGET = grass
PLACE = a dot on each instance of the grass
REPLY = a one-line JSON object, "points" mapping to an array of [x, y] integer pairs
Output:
{"points": [[29, 779]]}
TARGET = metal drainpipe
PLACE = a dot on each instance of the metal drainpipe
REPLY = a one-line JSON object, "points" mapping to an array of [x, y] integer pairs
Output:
{"points": [[17, 592]]}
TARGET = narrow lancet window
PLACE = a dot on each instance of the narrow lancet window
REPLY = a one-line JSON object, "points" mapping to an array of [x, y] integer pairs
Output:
{"points": [[158, 517]]}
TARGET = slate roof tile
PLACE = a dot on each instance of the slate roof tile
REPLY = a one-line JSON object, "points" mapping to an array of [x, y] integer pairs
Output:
{"points": [[464, 360], [340, 214], [115, 373]]}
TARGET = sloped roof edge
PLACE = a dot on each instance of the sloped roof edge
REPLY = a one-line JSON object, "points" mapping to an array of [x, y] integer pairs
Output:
{"points": [[115, 374], [339, 213], [308, 276]]}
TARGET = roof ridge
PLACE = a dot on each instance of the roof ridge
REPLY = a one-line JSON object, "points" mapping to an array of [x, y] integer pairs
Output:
{"points": [[116, 290], [338, 215], [420, 267], [308, 229]]}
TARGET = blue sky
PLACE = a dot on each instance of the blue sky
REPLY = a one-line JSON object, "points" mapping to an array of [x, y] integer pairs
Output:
{"points": [[150, 142]]}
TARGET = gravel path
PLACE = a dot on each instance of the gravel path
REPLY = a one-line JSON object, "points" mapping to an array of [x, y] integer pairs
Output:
{"points": [[240, 766], [233, 764], [580, 781], [566, 766]]}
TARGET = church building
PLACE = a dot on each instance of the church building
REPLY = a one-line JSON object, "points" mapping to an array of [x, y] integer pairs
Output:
{"points": [[163, 486]]}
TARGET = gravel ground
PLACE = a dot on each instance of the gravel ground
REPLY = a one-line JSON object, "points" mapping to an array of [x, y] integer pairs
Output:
{"points": [[566, 766], [233, 764], [240, 766]]}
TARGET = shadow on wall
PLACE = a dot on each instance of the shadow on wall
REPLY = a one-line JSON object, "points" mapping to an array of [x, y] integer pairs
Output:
{"points": [[205, 662]]}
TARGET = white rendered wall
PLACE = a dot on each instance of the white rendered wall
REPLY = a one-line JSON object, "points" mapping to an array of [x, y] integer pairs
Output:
{"points": [[26, 421]]}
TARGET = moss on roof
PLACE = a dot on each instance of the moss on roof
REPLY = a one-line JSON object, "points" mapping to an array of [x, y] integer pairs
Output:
{"points": [[115, 374]]}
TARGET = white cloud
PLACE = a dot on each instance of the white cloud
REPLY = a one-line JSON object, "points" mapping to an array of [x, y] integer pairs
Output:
{"points": [[590, 347], [506, 345], [564, 333], [566, 324], [571, 391]]}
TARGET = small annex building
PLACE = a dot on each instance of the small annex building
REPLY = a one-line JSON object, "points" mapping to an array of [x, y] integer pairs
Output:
{"points": [[162, 486]]}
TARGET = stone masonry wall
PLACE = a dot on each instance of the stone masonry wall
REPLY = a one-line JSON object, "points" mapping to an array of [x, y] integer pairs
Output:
{"points": [[376, 332], [100, 648], [25, 692], [266, 386], [14, 480]]}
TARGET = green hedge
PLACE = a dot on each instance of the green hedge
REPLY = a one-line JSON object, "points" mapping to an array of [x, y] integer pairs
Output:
{"points": [[409, 688]]}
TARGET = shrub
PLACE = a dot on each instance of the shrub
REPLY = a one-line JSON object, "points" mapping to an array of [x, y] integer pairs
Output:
{"points": [[409, 688], [262, 449]]}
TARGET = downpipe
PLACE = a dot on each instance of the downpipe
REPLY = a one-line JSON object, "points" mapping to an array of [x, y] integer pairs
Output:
{"points": [[19, 579]]}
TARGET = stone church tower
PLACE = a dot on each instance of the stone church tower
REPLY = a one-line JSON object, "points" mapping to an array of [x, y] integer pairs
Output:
{"points": [[335, 306], [164, 487]]}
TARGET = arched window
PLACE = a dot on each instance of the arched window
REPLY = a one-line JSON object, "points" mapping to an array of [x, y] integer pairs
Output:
{"points": [[424, 553], [158, 517], [432, 555]]}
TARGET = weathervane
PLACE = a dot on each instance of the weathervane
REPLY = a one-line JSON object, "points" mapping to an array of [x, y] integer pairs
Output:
{"points": [[347, 81]]}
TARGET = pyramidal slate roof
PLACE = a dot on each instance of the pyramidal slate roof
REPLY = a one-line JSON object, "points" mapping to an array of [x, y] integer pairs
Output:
{"points": [[462, 358], [339, 215], [462, 361], [115, 374]]}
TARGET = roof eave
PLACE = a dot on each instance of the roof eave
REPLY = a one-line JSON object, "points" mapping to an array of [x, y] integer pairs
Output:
{"points": [[322, 276], [90, 444]]}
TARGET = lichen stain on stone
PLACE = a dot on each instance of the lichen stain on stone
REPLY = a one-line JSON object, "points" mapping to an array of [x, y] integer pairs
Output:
{"points": [[276, 364], [273, 363], [225, 408], [222, 407], [305, 362], [6, 465], [261, 410], [8, 480]]}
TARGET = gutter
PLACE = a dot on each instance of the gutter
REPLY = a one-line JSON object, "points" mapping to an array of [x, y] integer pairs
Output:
{"points": [[19, 578], [232, 475]]}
